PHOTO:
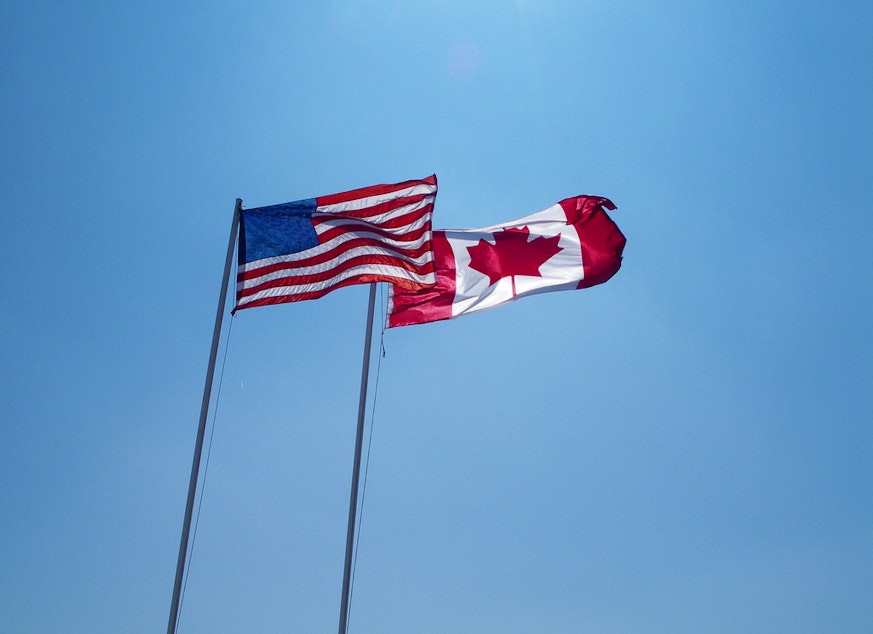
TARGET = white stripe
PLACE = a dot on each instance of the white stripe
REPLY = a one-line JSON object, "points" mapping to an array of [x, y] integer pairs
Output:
{"points": [[335, 263], [299, 289], [371, 201]]}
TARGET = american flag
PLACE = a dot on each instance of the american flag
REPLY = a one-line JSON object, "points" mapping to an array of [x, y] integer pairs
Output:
{"points": [[307, 248]]}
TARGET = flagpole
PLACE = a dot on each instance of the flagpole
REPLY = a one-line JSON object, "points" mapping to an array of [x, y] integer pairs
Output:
{"points": [[353, 501], [201, 429]]}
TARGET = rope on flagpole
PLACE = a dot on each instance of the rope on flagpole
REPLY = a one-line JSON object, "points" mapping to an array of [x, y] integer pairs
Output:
{"points": [[369, 446], [205, 469]]}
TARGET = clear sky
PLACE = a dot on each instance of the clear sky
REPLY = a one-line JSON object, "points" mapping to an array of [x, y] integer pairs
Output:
{"points": [[687, 448]]}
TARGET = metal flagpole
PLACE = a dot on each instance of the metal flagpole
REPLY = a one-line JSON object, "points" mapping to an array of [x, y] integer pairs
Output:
{"points": [[353, 502], [204, 408]]}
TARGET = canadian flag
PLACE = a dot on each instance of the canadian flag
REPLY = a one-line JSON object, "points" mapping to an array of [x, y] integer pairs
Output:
{"points": [[573, 244]]}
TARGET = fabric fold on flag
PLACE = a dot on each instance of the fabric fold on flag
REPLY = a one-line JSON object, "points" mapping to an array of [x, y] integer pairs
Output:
{"points": [[573, 244], [305, 249]]}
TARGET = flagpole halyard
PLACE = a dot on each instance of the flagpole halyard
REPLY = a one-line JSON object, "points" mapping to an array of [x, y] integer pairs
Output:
{"points": [[201, 429], [353, 501]]}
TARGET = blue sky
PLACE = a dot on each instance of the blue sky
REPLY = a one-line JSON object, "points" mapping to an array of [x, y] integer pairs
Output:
{"points": [[686, 448]]}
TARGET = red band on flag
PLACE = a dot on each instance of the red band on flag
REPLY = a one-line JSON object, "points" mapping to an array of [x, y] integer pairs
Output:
{"points": [[601, 240], [431, 304]]}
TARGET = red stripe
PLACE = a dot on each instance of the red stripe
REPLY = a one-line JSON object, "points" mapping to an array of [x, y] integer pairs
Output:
{"points": [[428, 304], [373, 190], [326, 256], [322, 276]]}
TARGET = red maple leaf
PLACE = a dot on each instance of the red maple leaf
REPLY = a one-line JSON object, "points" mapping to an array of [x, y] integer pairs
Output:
{"points": [[512, 254]]}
